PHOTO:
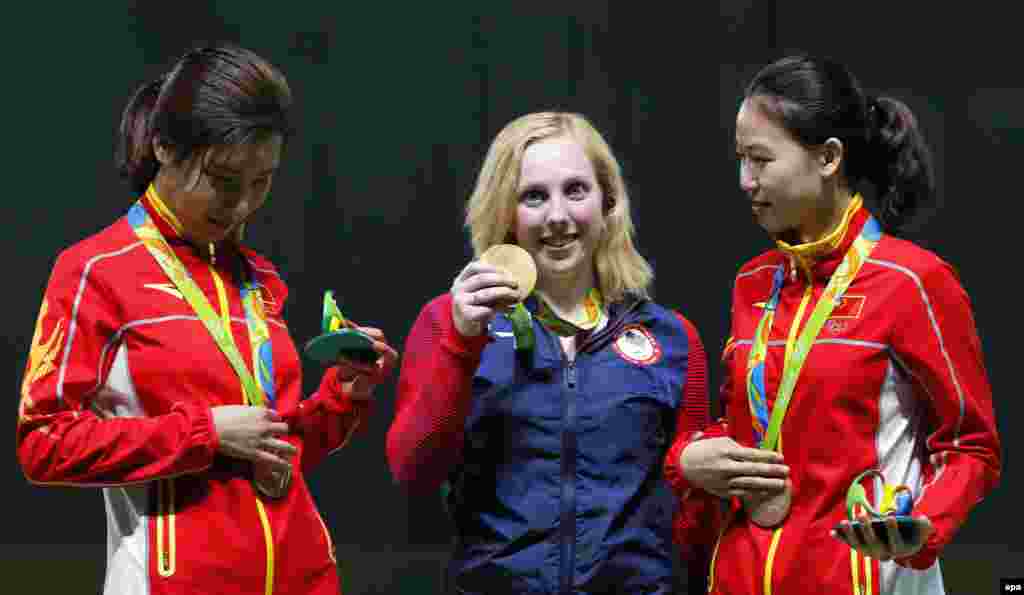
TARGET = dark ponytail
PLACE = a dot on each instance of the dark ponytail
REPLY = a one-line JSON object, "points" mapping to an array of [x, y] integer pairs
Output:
{"points": [[135, 159], [213, 95], [815, 99], [900, 167]]}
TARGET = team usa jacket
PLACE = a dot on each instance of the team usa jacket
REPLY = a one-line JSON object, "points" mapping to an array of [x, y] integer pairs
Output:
{"points": [[894, 381], [555, 466], [117, 395]]}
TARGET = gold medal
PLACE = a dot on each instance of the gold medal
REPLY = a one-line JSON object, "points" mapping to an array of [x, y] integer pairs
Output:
{"points": [[516, 262]]}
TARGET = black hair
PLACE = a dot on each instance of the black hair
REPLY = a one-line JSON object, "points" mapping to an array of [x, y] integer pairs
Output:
{"points": [[213, 95], [818, 98]]}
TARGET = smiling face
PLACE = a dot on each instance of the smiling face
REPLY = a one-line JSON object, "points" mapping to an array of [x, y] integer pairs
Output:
{"points": [[783, 178], [216, 190], [559, 215]]}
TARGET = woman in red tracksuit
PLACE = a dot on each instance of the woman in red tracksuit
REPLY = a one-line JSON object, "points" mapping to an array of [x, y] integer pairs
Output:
{"points": [[161, 369], [850, 350]]}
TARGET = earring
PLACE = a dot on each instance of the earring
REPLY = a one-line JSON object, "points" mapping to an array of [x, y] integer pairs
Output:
{"points": [[160, 152]]}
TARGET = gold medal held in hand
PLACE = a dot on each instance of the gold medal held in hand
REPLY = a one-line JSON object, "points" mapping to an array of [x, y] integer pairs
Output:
{"points": [[516, 262]]}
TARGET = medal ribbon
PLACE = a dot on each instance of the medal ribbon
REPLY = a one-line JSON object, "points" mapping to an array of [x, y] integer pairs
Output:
{"points": [[258, 390], [767, 430], [566, 328], [522, 320]]}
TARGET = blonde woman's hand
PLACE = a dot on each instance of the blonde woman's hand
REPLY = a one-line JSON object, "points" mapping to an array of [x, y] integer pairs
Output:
{"points": [[478, 293]]}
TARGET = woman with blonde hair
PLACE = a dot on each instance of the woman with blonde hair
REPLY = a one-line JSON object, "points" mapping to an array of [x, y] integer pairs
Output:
{"points": [[548, 412]]}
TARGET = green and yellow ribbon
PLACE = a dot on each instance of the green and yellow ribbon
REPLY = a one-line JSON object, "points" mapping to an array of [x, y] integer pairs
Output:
{"points": [[522, 320], [258, 390], [767, 429]]}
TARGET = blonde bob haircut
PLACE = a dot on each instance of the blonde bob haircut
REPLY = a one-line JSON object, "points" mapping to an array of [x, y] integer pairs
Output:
{"points": [[491, 210]]}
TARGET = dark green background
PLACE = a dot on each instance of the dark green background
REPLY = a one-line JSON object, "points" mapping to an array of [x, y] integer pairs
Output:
{"points": [[396, 106]]}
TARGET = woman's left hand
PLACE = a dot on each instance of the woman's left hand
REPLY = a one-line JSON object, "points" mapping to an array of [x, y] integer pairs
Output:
{"points": [[865, 540], [358, 379]]}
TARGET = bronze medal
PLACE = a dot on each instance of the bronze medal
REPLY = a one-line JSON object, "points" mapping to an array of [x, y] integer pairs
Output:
{"points": [[770, 511], [269, 482]]}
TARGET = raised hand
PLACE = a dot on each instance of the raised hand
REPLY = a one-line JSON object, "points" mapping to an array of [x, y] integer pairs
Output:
{"points": [[478, 293], [358, 378]]}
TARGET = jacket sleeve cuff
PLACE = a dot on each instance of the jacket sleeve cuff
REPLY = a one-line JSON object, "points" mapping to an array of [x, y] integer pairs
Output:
{"points": [[673, 470], [203, 441], [332, 392], [674, 473], [329, 398], [460, 345], [333, 397], [922, 560]]}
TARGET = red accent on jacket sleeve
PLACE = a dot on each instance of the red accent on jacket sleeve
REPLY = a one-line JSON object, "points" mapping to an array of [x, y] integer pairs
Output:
{"points": [[695, 414], [327, 420], [60, 439], [695, 418], [937, 340], [693, 524], [434, 398]]}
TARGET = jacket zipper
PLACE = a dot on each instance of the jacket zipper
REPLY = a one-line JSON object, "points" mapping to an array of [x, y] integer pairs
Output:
{"points": [[268, 536], [855, 560], [769, 563], [727, 519], [268, 539], [166, 556], [568, 525], [791, 339]]}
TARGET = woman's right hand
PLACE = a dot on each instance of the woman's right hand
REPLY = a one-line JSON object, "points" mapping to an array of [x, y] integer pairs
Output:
{"points": [[249, 433], [478, 293], [724, 468]]}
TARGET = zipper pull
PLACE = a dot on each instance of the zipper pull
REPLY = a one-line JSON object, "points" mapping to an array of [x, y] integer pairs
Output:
{"points": [[570, 375], [213, 257]]}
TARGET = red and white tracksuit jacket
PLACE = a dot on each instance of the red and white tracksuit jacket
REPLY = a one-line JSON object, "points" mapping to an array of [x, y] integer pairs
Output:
{"points": [[117, 394], [894, 381]]}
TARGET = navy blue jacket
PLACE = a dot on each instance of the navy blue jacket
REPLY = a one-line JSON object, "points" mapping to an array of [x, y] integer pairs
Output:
{"points": [[560, 486]]}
